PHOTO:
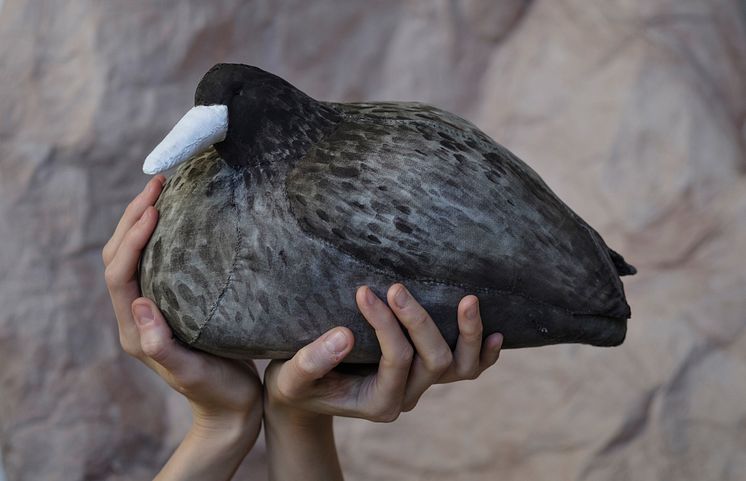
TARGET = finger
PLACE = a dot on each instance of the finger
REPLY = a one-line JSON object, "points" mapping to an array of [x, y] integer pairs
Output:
{"points": [[132, 213], [490, 351], [121, 270], [433, 356], [426, 337], [421, 377], [313, 362], [396, 352], [120, 278], [158, 346], [466, 356]]}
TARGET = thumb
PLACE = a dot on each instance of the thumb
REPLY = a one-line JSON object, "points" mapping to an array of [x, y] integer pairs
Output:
{"points": [[156, 339], [315, 360]]}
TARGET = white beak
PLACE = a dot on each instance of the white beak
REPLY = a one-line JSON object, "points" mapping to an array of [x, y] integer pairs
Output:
{"points": [[197, 130]]}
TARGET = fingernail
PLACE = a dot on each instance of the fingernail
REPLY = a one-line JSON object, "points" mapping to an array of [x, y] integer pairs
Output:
{"points": [[336, 342], [143, 314], [370, 298], [401, 297], [471, 311]]}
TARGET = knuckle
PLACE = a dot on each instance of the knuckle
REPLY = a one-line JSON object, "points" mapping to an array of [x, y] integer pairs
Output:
{"points": [[155, 349], [418, 319], [388, 418], [106, 254], [439, 361], [132, 206], [284, 392], [404, 356], [385, 414], [189, 381], [304, 363], [111, 276], [473, 334], [401, 358], [133, 236], [467, 371], [131, 348], [186, 387]]}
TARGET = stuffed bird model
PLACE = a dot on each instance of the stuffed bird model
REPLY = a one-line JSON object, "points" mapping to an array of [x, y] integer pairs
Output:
{"points": [[282, 205]]}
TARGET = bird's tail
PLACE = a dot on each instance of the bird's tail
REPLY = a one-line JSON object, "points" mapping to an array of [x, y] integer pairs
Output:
{"points": [[622, 268]]}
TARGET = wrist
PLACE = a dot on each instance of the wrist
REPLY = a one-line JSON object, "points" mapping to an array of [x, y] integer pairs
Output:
{"points": [[300, 443], [233, 428], [279, 413], [212, 449]]}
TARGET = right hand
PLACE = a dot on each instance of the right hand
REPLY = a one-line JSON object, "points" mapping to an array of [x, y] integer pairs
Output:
{"points": [[306, 387]]}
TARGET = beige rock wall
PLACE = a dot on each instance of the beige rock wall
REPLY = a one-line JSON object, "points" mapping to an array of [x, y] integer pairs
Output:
{"points": [[634, 111]]}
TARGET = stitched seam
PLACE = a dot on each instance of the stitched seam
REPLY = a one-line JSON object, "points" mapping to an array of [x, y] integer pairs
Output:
{"points": [[231, 270]]}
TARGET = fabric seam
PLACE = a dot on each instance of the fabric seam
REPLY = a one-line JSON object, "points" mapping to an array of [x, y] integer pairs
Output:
{"points": [[231, 270]]}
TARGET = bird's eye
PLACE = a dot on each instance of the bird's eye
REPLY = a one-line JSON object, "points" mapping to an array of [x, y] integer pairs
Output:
{"points": [[239, 91]]}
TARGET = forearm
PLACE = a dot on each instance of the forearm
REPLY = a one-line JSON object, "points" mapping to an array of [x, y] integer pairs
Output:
{"points": [[300, 447], [209, 453]]}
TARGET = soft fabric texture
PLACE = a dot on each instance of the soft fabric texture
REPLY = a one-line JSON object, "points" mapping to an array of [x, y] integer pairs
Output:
{"points": [[262, 241], [201, 127]]}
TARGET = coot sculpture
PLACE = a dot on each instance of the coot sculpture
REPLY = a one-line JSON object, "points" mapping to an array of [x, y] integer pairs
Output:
{"points": [[283, 205]]}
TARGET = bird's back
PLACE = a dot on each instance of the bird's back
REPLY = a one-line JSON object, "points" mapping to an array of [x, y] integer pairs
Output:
{"points": [[417, 191]]}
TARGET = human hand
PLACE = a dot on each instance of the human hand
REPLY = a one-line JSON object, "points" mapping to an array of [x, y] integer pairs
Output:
{"points": [[306, 383], [225, 395], [302, 394]]}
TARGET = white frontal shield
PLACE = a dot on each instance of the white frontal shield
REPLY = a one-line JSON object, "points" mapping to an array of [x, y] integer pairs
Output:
{"points": [[201, 127]]}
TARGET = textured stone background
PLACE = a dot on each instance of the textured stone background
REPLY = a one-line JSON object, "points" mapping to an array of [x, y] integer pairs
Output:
{"points": [[634, 112]]}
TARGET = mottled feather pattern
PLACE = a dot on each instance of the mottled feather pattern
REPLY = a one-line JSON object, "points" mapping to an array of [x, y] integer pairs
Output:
{"points": [[414, 221], [183, 265]]}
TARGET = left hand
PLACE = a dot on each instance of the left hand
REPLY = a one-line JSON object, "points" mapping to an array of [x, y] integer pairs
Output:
{"points": [[225, 394]]}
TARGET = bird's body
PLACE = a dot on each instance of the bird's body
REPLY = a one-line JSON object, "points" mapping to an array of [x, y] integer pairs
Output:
{"points": [[262, 242]]}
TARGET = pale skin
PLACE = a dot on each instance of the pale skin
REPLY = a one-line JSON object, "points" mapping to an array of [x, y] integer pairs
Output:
{"points": [[300, 396]]}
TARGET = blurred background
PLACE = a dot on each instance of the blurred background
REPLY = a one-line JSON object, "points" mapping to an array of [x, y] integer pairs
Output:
{"points": [[633, 111]]}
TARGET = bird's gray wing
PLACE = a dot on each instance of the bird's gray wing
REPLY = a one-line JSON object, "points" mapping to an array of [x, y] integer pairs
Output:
{"points": [[421, 193]]}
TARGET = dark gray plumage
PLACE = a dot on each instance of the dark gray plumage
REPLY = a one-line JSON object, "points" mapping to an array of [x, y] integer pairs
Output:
{"points": [[263, 240]]}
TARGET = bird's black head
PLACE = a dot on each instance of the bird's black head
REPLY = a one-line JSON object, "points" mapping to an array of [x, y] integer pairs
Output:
{"points": [[264, 111], [251, 117]]}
